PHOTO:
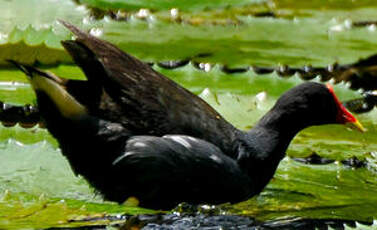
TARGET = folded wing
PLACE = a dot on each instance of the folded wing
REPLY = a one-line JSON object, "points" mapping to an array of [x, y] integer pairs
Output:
{"points": [[143, 100], [164, 171]]}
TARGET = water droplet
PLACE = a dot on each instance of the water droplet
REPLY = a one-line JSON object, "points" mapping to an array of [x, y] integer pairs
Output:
{"points": [[205, 93], [337, 28], [372, 28], [81, 8], [96, 32], [143, 13], [174, 13], [86, 20], [3, 37], [330, 68], [261, 97], [107, 18], [205, 66], [348, 23]]}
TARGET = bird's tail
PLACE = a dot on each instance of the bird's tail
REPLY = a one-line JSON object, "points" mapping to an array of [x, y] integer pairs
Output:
{"points": [[30, 71], [52, 87]]}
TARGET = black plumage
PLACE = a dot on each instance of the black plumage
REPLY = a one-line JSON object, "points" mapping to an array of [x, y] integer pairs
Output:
{"points": [[131, 132]]}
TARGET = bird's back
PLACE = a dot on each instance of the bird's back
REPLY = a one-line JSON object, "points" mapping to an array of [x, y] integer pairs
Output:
{"points": [[143, 100]]}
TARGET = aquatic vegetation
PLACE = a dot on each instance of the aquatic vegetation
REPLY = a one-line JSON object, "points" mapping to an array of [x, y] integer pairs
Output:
{"points": [[218, 52]]}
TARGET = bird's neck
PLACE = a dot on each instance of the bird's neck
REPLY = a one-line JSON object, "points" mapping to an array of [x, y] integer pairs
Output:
{"points": [[285, 122], [263, 147]]}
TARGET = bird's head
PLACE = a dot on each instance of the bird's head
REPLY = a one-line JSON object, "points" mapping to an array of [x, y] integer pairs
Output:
{"points": [[344, 116], [309, 104]]}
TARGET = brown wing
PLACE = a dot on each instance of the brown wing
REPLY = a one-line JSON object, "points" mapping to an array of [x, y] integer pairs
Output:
{"points": [[143, 100]]}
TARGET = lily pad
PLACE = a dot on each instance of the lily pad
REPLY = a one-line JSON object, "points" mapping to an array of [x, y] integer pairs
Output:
{"points": [[256, 41], [37, 186], [164, 4]]}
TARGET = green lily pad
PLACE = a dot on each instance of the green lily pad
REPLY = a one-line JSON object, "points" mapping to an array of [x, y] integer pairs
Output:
{"points": [[256, 41], [329, 191], [324, 4], [164, 4], [39, 190], [29, 31], [37, 186]]}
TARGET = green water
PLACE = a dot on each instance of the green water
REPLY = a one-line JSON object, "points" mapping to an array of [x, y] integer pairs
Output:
{"points": [[37, 187]]}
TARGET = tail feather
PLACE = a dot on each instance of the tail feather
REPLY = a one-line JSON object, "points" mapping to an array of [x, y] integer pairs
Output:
{"points": [[86, 94], [86, 59], [30, 71], [87, 40], [76, 31], [100, 59], [27, 69]]}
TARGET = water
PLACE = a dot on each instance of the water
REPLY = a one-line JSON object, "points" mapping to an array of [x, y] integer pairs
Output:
{"points": [[37, 186]]}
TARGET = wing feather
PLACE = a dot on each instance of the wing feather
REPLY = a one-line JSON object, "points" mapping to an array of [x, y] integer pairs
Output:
{"points": [[176, 165], [145, 101]]}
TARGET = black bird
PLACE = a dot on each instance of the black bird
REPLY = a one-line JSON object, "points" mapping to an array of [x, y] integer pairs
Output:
{"points": [[131, 132]]}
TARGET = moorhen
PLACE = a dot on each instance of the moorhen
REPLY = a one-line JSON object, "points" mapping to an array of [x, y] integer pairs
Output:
{"points": [[131, 132]]}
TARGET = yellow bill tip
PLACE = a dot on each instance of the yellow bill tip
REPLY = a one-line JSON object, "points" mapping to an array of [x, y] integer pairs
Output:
{"points": [[356, 125]]}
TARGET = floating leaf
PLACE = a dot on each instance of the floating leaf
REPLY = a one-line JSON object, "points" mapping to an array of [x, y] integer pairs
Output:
{"points": [[164, 4], [35, 177]]}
